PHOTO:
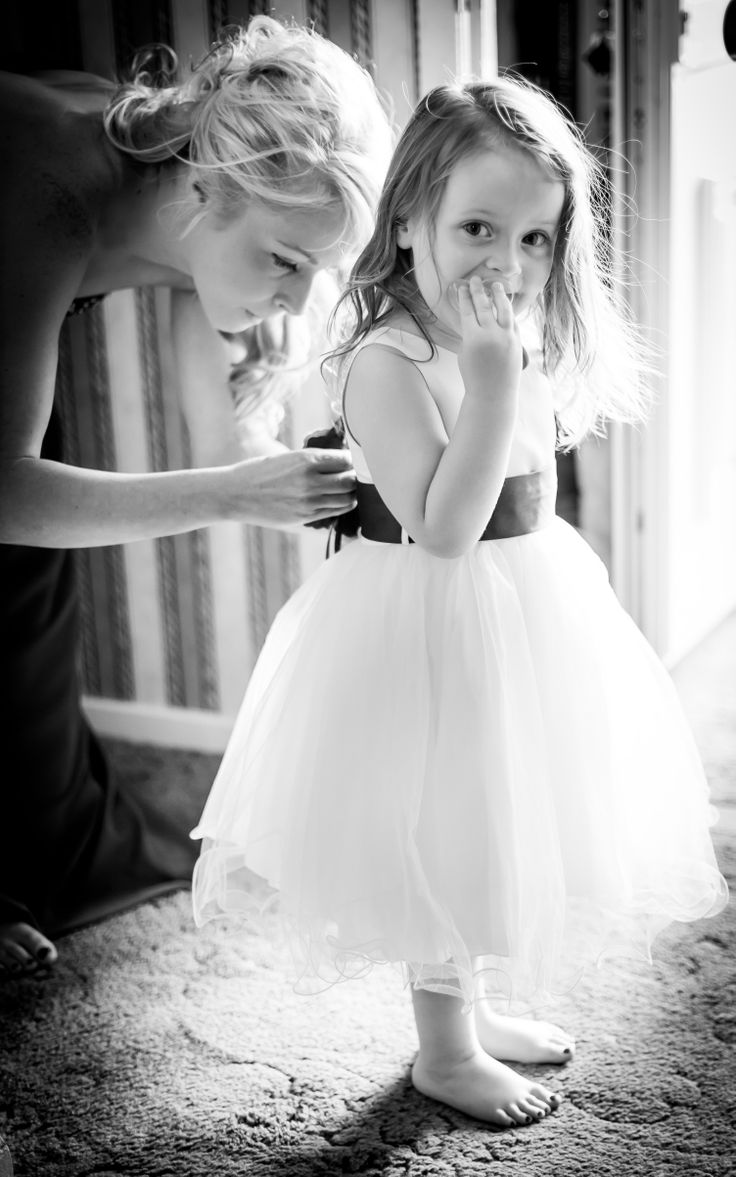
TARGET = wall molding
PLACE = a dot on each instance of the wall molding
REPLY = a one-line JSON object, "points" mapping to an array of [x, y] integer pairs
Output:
{"points": [[158, 724]]}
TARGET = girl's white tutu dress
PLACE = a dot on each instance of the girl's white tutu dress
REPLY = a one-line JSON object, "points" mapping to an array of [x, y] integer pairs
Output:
{"points": [[475, 767]]}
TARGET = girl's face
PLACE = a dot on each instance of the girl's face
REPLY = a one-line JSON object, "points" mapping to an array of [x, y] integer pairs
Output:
{"points": [[260, 263], [498, 218]]}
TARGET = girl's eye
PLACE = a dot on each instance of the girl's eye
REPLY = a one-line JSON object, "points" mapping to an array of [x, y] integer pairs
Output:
{"points": [[537, 238], [283, 263], [476, 229]]}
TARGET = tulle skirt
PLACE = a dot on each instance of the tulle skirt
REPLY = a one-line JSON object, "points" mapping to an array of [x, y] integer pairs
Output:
{"points": [[475, 768]]}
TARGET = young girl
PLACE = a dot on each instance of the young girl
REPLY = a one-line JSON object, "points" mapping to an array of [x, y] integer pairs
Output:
{"points": [[456, 751]]}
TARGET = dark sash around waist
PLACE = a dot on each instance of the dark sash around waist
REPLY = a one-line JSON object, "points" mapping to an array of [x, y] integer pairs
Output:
{"points": [[526, 503]]}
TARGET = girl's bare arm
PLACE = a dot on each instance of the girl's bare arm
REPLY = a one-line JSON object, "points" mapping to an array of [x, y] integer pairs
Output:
{"points": [[443, 491]]}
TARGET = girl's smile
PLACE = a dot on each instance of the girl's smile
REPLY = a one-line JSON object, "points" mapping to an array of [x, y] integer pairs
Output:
{"points": [[498, 218]]}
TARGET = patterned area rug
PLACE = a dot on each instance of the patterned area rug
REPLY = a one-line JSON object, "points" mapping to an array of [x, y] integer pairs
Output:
{"points": [[156, 1050]]}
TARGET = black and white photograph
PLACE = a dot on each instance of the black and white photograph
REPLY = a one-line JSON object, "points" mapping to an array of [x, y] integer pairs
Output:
{"points": [[368, 588]]}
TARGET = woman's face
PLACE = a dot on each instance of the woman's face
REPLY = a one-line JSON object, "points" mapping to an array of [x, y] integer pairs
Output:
{"points": [[260, 263]]}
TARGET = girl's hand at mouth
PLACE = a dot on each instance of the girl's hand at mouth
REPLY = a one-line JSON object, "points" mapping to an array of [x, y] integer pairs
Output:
{"points": [[491, 354]]}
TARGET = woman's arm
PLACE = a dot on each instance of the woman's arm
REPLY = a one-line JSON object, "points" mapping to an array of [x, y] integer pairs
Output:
{"points": [[48, 504], [443, 491], [46, 241]]}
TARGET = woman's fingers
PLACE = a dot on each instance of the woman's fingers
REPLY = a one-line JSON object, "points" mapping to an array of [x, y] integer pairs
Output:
{"points": [[292, 487], [328, 510], [330, 485], [325, 477], [328, 461]]}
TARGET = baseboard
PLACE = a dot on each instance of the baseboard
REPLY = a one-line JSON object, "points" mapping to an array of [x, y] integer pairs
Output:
{"points": [[166, 727]]}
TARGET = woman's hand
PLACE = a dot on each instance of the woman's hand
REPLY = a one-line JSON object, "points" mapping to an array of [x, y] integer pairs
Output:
{"points": [[298, 486], [53, 505], [491, 352]]}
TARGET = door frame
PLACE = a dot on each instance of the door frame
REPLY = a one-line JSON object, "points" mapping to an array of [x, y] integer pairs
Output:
{"points": [[646, 47]]}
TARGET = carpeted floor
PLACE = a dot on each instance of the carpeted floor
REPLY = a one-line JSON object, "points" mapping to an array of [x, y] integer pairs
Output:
{"points": [[156, 1050]]}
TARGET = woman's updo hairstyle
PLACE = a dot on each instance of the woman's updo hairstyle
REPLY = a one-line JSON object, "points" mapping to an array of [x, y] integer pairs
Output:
{"points": [[275, 114]]}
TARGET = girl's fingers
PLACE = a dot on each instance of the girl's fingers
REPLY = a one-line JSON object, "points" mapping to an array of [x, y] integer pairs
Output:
{"points": [[504, 313], [464, 301], [473, 302], [481, 301], [472, 313]]}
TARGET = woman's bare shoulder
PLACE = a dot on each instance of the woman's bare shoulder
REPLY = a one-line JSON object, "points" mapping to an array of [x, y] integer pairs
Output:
{"points": [[43, 98], [54, 120], [59, 173], [57, 165]]}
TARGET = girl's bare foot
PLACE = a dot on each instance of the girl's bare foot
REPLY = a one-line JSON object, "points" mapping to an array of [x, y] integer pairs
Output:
{"points": [[484, 1088], [23, 949], [521, 1040]]}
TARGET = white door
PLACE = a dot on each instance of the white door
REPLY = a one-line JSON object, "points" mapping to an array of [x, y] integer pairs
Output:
{"points": [[702, 387], [674, 484]]}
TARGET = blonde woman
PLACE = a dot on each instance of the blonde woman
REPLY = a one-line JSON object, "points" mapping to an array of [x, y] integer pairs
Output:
{"points": [[235, 188]]}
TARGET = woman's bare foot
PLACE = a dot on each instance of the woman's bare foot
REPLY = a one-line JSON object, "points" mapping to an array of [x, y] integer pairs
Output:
{"points": [[484, 1088], [23, 949], [521, 1040]]}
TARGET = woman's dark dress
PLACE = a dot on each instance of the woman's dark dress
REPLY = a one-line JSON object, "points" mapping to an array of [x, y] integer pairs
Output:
{"points": [[74, 847]]}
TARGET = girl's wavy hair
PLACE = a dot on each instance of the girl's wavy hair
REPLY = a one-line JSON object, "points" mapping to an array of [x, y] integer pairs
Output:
{"points": [[588, 342], [274, 113]]}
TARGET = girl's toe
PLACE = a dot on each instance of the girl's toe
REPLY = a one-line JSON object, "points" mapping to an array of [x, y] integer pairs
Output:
{"points": [[537, 1105], [567, 1045], [516, 1113], [12, 956], [23, 949], [21, 941], [533, 1107], [547, 1097], [39, 946]]}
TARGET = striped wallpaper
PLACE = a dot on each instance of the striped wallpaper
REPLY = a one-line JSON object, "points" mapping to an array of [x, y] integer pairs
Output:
{"points": [[171, 628], [161, 618]]}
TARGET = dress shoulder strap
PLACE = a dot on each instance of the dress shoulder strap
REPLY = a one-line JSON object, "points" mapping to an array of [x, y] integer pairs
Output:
{"points": [[414, 347]]}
